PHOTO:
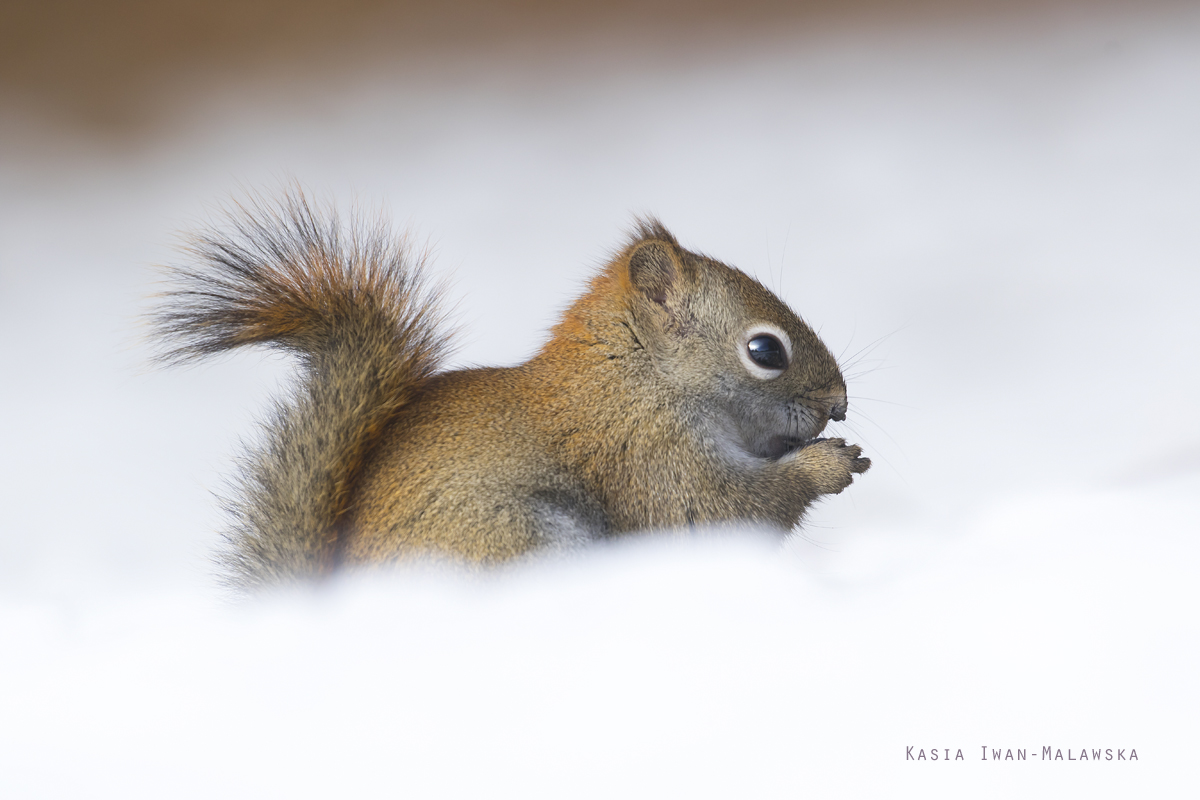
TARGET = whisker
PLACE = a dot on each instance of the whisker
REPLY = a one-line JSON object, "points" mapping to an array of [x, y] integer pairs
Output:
{"points": [[802, 534], [865, 351], [870, 348], [886, 402], [855, 375], [860, 437]]}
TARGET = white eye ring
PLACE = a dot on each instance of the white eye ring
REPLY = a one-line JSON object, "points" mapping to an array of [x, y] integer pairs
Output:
{"points": [[755, 369]]}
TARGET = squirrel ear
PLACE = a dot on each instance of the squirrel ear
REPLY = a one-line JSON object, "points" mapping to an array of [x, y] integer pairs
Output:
{"points": [[654, 270]]}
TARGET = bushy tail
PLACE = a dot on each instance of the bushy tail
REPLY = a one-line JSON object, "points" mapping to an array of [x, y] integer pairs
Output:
{"points": [[353, 304]]}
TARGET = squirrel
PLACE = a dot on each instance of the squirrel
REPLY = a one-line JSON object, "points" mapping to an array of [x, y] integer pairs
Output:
{"points": [[675, 392]]}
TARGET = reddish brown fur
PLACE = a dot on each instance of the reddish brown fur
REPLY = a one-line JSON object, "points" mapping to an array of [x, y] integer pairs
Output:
{"points": [[591, 416], [640, 412]]}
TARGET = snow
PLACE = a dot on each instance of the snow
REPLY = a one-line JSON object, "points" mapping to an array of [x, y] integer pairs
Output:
{"points": [[1002, 218]]}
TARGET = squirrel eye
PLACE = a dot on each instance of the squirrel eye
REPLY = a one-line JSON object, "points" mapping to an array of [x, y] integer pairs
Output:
{"points": [[766, 351]]}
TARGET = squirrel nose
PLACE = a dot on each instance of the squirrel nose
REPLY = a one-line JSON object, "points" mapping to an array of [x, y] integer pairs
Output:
{"points": [[837, 411]]}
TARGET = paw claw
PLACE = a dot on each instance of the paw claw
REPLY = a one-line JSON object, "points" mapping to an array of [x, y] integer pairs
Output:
{"points": [[833, 464]]}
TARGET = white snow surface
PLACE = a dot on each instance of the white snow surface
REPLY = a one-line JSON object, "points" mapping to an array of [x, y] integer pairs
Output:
{"points": [[1002, 221]]}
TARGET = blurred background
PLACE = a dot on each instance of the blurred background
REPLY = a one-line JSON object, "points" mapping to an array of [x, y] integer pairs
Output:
{"points": [[989, 210]]}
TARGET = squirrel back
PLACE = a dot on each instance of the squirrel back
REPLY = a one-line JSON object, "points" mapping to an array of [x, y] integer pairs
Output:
{"points": [[676, 392]]}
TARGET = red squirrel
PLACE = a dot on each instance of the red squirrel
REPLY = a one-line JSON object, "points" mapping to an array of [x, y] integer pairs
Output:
{"points": [[675, 392]]}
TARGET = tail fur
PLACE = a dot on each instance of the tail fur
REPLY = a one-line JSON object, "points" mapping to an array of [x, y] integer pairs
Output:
{"points": [[354, 306]]}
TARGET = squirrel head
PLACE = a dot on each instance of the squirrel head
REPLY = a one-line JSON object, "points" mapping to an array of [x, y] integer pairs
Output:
{"points": [[744, 366]]}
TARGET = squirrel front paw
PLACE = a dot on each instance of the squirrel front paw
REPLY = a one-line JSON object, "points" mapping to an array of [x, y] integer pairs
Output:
{"points": [[830, 464]]}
